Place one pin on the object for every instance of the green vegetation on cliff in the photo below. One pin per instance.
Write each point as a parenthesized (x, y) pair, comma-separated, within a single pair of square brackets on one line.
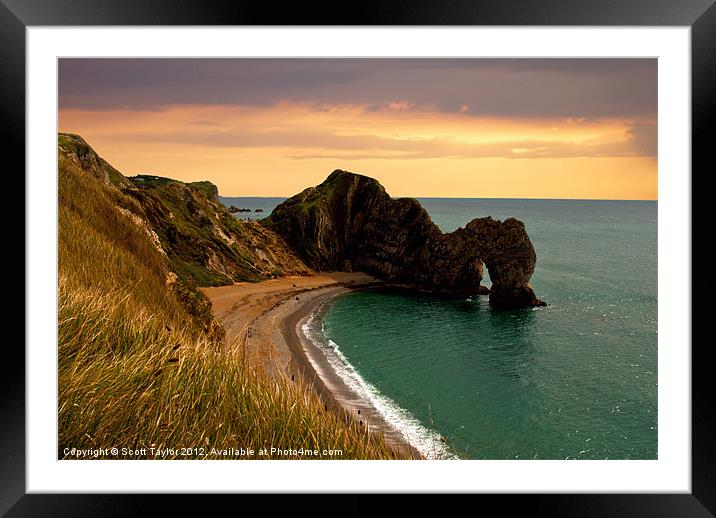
[(207, 188), (141, 362), (205, 244), (147, 181)]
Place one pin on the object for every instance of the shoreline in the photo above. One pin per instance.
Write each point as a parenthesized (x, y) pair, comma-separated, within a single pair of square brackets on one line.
[(265, 320), (317, 367)]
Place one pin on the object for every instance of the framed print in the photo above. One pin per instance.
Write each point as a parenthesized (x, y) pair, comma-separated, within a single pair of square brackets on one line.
[(451, 251)]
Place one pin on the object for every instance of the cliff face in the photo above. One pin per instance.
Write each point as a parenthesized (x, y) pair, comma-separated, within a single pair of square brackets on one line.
[(202, 243), (349, 222)]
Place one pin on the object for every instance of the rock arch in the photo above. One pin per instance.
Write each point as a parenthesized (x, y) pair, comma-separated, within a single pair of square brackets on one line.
[(506, 250)]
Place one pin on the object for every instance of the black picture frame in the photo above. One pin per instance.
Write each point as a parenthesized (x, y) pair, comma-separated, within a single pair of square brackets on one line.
[(699, 15)]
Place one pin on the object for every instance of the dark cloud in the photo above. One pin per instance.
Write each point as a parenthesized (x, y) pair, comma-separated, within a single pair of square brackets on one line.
[(588, 88)]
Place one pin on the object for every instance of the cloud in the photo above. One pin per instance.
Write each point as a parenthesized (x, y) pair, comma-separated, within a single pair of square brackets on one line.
[(391, 106), (636, 139), (207, 123), (536, 88)]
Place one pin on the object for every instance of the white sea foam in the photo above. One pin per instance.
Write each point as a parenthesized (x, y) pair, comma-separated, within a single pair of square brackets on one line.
[(426, 441)]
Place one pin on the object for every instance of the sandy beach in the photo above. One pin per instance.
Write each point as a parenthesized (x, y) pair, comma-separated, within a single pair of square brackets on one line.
[(265, 321)]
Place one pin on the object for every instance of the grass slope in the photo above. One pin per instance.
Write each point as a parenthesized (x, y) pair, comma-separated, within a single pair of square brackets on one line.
[(140, 361)]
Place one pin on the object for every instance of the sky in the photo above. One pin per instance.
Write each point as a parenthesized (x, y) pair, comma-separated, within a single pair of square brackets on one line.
[(468, 128)]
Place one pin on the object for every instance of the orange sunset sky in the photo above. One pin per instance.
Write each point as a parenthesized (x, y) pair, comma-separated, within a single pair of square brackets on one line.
[(483, 128)]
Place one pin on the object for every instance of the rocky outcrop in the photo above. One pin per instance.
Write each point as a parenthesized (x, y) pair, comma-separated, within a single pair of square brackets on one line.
[(74, 148), (349, 222)]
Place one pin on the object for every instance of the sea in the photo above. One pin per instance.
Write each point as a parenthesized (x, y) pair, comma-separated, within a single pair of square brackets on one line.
[(263, 205), (576, 379)]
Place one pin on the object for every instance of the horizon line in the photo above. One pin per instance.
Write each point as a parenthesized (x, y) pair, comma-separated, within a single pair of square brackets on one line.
[(472, 198)]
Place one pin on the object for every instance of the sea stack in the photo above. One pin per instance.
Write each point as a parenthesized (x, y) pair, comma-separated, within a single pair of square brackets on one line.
[(349, 222)]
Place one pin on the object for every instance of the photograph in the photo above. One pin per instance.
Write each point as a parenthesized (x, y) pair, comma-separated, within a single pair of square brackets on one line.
[(357, 258)]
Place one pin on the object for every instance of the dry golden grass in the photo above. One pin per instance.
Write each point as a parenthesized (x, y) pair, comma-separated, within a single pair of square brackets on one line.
[(137, 369)]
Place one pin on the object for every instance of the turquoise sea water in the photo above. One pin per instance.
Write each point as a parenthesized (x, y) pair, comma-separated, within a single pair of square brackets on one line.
[(574, 380)]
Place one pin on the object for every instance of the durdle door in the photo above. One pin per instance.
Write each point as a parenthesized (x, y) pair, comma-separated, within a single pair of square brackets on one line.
[(350, 222)]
